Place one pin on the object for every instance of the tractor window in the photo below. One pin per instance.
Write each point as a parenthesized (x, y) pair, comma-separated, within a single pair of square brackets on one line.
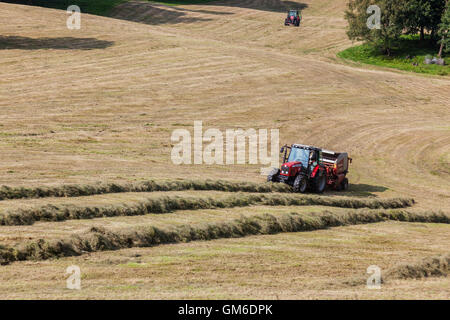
[(298, 154)]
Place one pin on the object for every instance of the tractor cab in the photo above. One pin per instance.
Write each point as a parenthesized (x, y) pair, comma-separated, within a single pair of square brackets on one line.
[(302, 168), (300, 158), (293, 13), (293, 18)]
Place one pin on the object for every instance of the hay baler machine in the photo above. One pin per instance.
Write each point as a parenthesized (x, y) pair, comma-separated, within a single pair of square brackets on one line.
[(311, 168), (336, 164)]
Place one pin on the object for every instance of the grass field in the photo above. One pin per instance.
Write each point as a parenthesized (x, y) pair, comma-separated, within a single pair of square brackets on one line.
[(408, 55), (86, 121)]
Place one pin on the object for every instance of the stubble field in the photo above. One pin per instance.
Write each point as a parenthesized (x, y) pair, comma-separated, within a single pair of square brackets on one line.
[(98, 105)]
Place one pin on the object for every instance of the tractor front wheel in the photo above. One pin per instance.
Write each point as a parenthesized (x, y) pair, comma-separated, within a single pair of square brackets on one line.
[(300, 184), (273, 175)]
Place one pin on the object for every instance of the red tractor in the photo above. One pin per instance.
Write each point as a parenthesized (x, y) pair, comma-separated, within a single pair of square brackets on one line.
[(310, 168), (293, 18)]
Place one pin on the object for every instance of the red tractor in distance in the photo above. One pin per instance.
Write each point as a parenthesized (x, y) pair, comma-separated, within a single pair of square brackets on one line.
[(310, 168), (293, 18)]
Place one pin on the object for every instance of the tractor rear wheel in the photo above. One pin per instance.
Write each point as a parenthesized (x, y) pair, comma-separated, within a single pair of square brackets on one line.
[(300, 184), (273, 175), (320, 182)]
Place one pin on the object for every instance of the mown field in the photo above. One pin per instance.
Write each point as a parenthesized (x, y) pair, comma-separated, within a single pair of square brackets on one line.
[(87, 178)]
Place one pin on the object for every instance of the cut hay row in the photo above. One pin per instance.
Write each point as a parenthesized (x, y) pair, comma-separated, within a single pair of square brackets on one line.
[(100, 239), (146, 186), (166, 204), (435, 266)]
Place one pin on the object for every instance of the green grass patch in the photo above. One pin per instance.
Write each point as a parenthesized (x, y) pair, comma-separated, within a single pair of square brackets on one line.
[(407, 46), (133, 265)]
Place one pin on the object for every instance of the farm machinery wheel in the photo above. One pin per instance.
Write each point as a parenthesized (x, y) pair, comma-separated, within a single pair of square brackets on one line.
[(300, 184), (344, 184), (320, 182)]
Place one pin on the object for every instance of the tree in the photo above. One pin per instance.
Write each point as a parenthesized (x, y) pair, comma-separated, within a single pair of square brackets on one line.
[(436, 16), (421, 15), (390, 27), (444, 31)]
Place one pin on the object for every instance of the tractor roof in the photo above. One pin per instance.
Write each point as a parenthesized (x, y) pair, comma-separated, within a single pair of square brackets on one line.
[(303, 146)]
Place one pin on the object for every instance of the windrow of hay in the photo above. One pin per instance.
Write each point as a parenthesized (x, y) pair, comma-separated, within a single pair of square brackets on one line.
[(435, 266), (100, 239), (146, 186), (166, 204)]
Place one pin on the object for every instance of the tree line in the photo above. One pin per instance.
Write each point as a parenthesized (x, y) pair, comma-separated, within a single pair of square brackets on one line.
[(399, 17)]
